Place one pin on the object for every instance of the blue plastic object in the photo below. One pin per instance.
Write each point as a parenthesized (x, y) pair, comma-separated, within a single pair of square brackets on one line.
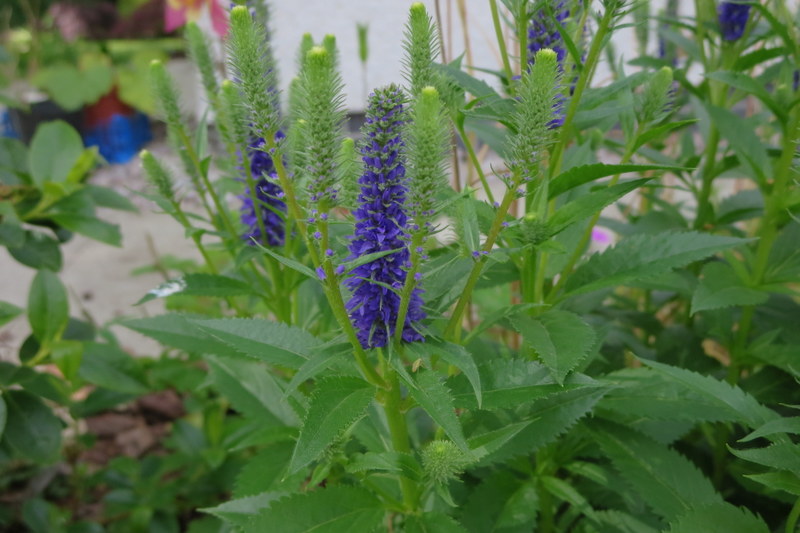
[(121, 137)]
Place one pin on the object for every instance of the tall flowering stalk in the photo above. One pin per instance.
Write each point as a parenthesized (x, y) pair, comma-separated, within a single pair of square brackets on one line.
[(732, 19), (381, 225)]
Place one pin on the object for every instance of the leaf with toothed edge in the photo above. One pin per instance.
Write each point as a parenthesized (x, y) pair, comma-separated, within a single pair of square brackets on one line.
[(337, 403), (543, 422), (719, 517), (266, 340), (666, 480), (338, 509), (434, 397)]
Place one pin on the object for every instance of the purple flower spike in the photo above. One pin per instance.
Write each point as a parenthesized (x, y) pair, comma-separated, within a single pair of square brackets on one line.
[(381, 225), (732, 19), (268, 194), (544, 32)]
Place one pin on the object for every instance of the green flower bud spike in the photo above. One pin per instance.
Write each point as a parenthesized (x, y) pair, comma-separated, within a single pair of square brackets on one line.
[(428, 148), (158, 175), (322, 108), (539, 97), (421, 49), (655, 102), (249, 58), (201, 56)]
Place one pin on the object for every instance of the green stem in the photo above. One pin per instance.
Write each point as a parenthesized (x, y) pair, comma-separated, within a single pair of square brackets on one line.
[(475, 162), (331, 285), (398, 429), (583, 81), (198, 168), (408, 286), (453, 329), (794, 514), (767, 233), (501, 41)]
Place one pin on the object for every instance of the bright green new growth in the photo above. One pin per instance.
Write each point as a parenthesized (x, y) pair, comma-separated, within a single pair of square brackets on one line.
[(329, 44), (363, 44), (428, 146), (306, 44), (534, 112), (166, 94), (656, 100), (322, 109), (443, 461), (157, 174), (421, 49), (167, 98), (252, 67), (199, 52), (232, 118)]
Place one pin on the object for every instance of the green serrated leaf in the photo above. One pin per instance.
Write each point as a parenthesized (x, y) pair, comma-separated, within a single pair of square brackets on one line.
[(778, 480), (720, 517), (780, 456), (269, 341), (433, 522), (337, 403), (266, 470), (399, 463), (743, 407), (743, 139), (199, 285), (543, 422), (643, 393), (560, 338), (456, 355), (291, 263), (434, 397), (580, 175), (645, 256), (668, 482), (338, 509), (659, 131), (177, 330), (780, 425), (251, 389), (749, 84), (589, 204), (720, 287), (241, 510), (508, 383)]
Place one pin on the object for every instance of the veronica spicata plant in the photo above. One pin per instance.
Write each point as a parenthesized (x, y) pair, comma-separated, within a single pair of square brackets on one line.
[(415, 356)]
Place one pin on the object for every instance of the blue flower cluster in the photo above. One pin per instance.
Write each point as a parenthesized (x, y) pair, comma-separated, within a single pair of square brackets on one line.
[(732, 19), (382, 225), (544, 32), (268, 195)]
